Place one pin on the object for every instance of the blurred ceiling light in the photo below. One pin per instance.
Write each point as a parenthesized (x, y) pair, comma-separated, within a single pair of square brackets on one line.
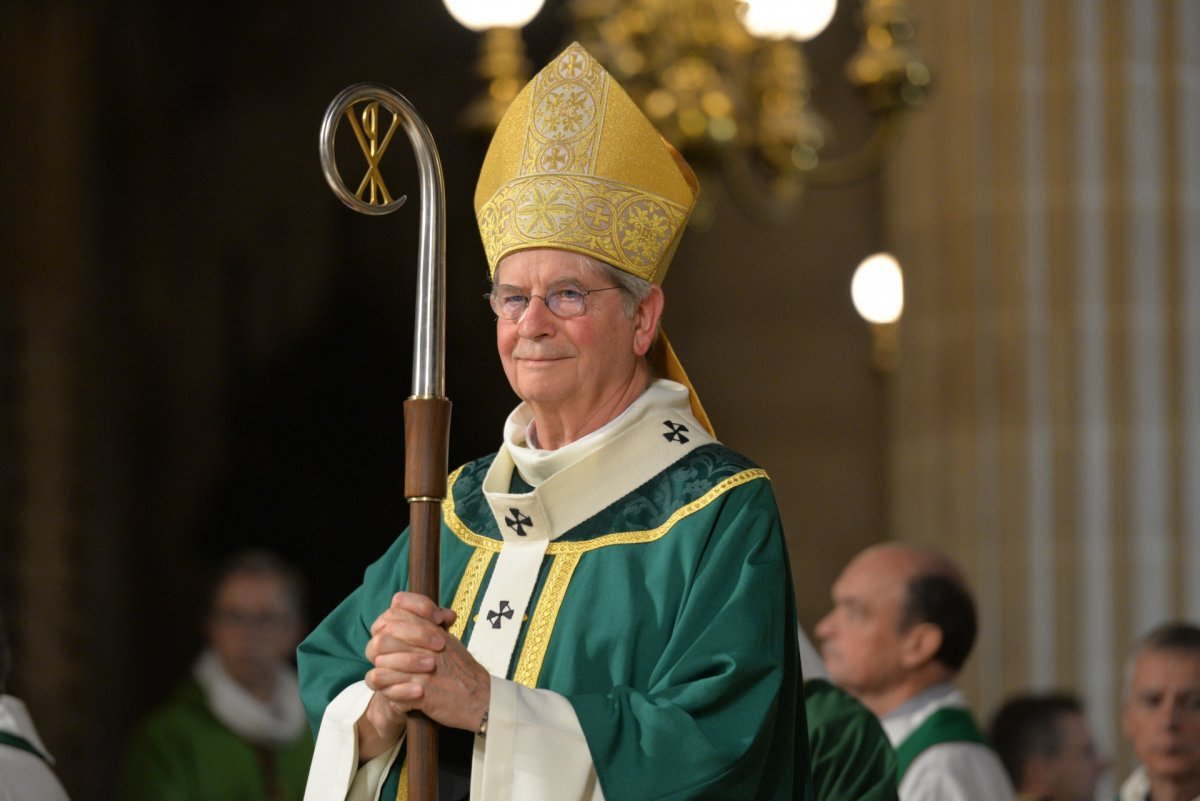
[(501, 61), (877, 290), (787, 19), (727, 82), (479, 15)]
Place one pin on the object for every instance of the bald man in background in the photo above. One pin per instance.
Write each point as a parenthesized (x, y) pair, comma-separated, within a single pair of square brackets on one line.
[(902, 625)]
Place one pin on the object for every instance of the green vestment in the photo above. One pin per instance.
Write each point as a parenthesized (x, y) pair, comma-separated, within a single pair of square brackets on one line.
[(852, 759), (183, 753), (947, 725), (666, 619)]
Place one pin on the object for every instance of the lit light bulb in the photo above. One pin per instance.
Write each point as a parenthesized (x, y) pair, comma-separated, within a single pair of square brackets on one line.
[(878, 289), (787, 19), (479, 15)]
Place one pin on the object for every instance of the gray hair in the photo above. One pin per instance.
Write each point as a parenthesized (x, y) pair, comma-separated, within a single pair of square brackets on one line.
[(1176, 637), (634, 289)]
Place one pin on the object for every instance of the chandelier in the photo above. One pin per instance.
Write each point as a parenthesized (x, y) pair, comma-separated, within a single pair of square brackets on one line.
[(725, 81)]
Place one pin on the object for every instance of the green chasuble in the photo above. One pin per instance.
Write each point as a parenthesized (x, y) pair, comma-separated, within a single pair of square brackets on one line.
[(183, 753), (852, 759), (947, 725), (666, 619)]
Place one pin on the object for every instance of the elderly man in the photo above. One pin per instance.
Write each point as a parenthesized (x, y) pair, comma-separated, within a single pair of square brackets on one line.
[(235, 728), (1047, 747), (1161, 718), (902, 625), (617, 617)]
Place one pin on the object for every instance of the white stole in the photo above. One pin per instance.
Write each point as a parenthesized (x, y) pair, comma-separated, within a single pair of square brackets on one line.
[(583, 478)]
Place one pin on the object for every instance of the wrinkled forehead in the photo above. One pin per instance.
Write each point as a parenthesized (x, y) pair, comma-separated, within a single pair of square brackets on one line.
[(546, 266), (1172, 669)]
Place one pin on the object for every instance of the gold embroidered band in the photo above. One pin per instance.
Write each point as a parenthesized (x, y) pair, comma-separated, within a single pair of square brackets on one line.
[(576, 166)]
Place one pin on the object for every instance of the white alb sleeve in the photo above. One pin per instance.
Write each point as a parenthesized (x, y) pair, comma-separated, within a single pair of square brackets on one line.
[(335, 772), (534, 749)]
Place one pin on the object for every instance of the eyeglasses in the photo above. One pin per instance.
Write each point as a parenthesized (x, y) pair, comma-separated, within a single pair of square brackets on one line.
[(253, 621), (510, 303)]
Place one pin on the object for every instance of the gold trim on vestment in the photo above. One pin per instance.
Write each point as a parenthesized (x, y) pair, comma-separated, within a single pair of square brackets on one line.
[(460, 529), (575, 165), (468, 589), (609, 221), (537, 636), (567, 556)]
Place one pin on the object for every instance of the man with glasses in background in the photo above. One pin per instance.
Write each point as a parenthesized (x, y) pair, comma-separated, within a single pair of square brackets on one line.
[(235, 728)]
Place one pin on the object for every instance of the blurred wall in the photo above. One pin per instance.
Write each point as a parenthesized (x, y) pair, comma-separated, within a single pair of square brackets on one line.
[(1045, 425)]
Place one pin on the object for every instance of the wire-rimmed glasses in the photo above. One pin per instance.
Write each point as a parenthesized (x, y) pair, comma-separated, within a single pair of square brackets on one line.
[(510, 302)]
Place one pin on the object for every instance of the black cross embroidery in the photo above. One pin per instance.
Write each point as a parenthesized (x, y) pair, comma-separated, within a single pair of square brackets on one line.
[(676, 432), (518, 521), (505, 611)]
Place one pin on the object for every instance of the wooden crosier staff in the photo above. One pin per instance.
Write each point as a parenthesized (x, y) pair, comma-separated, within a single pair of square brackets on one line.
[(427, 411)]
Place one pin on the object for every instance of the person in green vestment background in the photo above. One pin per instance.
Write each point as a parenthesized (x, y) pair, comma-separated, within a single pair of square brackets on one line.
[(851, 756), (902, 625), (235, 729), (617, 618)]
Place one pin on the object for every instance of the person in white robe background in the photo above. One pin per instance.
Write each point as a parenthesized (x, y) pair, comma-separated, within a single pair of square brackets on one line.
[(26, 772)]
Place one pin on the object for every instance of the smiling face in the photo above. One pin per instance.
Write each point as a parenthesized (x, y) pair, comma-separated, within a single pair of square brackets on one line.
[(1161, 717), (580, 372)]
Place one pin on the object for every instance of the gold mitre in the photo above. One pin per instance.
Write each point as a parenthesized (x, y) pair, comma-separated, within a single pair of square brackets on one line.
[(576, 166)]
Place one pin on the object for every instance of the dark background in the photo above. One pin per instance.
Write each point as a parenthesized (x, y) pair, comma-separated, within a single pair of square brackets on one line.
[(201, 349)]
